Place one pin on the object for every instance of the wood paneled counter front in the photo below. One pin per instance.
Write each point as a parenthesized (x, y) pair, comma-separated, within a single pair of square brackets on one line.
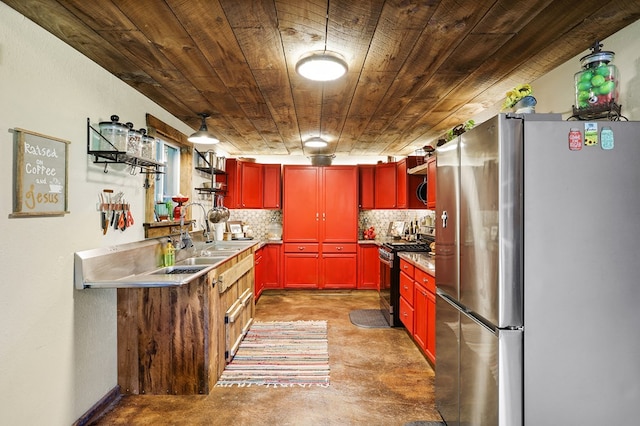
[(172, 340)]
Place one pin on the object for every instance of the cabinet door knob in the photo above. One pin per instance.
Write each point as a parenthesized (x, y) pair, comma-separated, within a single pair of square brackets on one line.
[(338, 248), (300, 248)]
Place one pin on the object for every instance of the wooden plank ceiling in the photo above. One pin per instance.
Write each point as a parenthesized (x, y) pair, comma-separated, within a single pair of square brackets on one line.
[(416, 68)]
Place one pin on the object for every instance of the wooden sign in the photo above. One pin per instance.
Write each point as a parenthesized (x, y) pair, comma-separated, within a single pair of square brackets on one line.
[(40, 174)]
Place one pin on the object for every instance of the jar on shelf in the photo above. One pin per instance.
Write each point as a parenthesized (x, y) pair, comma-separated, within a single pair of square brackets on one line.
[(597, 84), (147, 146), (134, 140), (115, 133)]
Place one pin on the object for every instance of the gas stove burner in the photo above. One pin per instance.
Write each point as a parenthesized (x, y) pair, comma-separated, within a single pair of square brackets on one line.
[(404, 246)]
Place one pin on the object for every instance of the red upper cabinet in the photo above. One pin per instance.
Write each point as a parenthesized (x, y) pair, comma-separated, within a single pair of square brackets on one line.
[(386, 186), (251, 185), (272, 198), (366, 186), (408, 185), (402, 199), (431, 183)]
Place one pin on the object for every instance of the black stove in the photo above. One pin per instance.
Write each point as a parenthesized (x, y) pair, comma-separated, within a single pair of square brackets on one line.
[(407, 246), (390, 275)]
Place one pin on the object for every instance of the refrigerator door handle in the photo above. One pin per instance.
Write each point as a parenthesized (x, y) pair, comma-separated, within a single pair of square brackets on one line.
[(444, 218)]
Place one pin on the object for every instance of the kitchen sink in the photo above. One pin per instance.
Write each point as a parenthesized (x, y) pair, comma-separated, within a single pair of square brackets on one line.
[(181, 269), (204, 260)]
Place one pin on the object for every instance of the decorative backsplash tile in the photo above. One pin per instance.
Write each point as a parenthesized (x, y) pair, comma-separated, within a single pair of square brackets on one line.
[(258, 220), (380, 219)]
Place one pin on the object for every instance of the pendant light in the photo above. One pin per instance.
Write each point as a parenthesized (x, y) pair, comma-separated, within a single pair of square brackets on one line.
[(203, 136)]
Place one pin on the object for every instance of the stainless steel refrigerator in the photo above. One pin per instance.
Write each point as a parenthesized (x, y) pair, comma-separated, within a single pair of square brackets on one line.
[(538, 274)]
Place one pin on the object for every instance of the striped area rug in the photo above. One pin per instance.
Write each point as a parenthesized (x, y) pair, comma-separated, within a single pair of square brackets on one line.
[(280, 354)]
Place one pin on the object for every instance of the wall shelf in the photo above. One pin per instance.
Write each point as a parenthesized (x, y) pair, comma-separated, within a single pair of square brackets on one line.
[(211, 170), (113, 156)]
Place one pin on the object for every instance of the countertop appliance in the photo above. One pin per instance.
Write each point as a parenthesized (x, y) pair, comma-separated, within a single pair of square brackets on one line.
[(537, 311), (390, 276)]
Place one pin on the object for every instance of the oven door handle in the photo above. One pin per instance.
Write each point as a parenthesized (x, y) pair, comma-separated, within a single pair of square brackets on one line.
[(386, 262)]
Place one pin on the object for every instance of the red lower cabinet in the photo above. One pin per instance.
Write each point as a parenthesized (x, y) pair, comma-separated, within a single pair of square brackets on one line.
[(271, 256), (431, 327), (301, 270), (418, 307), (420, 318), (339, 270), (406, 314), (368, 267)]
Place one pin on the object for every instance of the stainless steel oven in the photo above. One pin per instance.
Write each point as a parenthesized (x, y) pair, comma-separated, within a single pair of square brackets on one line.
[(390, 277)]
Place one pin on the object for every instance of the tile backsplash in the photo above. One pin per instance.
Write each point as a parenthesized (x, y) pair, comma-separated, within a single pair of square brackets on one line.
[(258, 220)]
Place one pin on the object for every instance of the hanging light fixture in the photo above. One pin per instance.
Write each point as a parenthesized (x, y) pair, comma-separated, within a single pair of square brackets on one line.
[(321, 66), (203, 136), (315, 142)]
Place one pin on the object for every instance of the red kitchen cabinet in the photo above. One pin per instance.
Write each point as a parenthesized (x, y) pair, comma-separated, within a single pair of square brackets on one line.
[(406, 315), (424, 306), (252, 185), (386, 177), (407, 197), (339, 270), (339, 208), (420, 316), (418, 303), (320, 209), (301, 204), (368, 267), (301, 266), (272, 198), (366, 186), (271, 259), (402, 199), (259, 269), (431, 327), (431, 183)]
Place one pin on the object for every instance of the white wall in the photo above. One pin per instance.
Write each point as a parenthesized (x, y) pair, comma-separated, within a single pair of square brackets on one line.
[(555, 91), (58, 345)]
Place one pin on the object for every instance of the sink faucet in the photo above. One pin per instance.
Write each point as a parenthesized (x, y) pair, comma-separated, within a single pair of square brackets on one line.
[(185, 238)]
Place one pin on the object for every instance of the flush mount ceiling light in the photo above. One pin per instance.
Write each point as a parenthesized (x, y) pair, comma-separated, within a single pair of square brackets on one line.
[(321, 66), (203, 136), (315, 142)]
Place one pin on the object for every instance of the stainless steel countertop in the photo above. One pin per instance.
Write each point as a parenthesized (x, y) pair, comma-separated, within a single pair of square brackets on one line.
[(135, 264)]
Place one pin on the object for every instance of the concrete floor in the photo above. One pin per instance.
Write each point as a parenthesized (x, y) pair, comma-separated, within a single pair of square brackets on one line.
[(378, 377)]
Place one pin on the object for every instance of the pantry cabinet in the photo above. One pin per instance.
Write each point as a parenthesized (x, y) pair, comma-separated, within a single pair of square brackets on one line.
[(320, 226)]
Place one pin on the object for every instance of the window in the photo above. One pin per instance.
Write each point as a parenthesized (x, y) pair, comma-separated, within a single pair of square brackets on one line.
[(167, 183)]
